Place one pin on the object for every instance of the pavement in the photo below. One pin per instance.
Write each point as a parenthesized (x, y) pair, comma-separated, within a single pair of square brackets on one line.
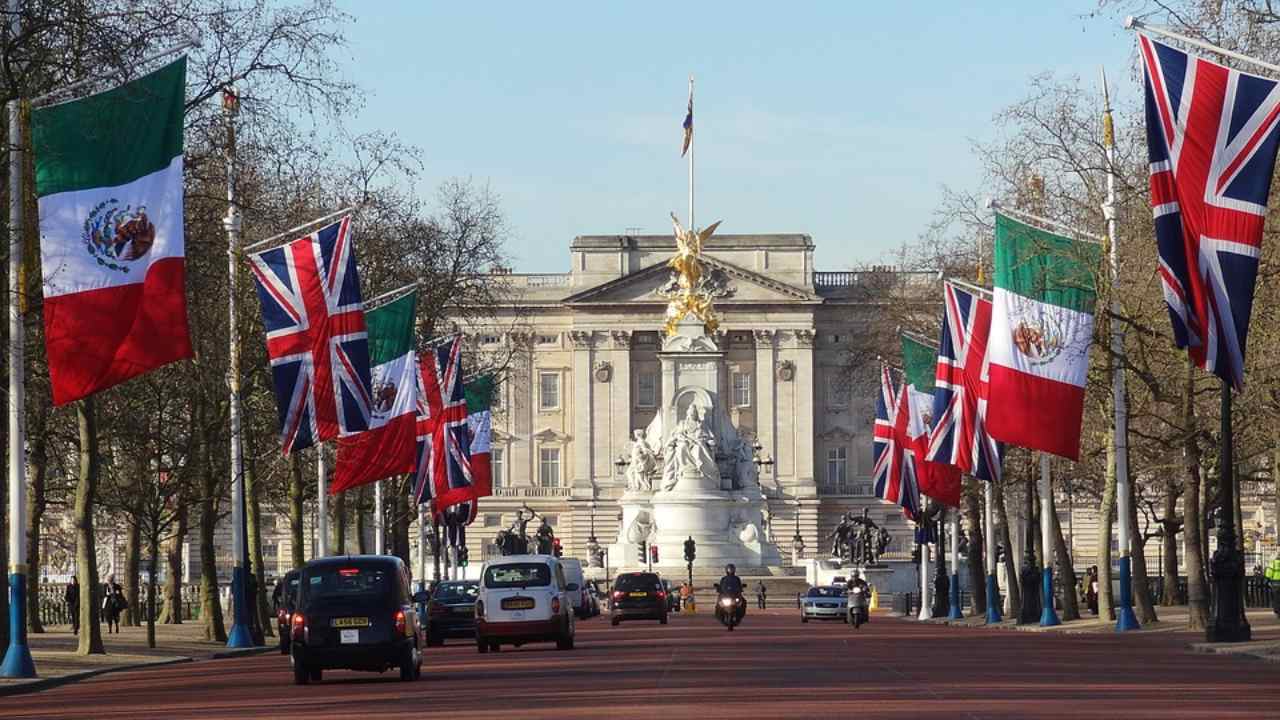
[(772, 666), (57, 662)]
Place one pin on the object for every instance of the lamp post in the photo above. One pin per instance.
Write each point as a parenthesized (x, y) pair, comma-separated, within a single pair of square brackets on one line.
[(797, 541)]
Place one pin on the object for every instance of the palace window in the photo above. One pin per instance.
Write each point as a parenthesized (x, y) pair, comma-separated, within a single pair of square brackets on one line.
[(837, 466), (646, 390), (549, 467), (549, 391), (492, 520), (547, 339), (741, 389), (490, 340), (498, 466)]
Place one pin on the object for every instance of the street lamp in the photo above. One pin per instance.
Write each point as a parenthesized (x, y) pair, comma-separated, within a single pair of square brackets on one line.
[(797, 542), (763, 462)]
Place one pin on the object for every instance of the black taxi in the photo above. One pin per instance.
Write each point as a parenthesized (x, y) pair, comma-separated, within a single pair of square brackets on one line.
[(355, 613)]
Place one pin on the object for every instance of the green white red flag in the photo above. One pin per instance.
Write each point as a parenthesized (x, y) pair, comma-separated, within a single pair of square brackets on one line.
[(387, 448), (108, 173), (939, 481), (479, 392), (1041, 330)]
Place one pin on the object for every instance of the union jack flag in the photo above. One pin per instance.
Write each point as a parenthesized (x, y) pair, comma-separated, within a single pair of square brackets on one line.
[(443, 474), (959, 435), (309, 290), (1211, 139), (894, 476)]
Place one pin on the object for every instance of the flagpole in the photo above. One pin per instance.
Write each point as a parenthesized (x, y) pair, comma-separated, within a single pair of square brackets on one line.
[(53, 97), (322, 503), (926, 611), (993, 588), (299, 228), (1125, 619), (239, 637), (1132, 23), (692, 226), (1048, 616), (379, 543), (1030, 218), (954, 595), (17, 659)]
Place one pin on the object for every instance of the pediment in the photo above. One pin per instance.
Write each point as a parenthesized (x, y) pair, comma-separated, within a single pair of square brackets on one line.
[(836, 433), (732, 285), (550, 435)]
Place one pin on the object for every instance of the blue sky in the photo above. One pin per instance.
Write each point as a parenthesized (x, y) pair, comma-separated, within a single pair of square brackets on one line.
[(842, 119)]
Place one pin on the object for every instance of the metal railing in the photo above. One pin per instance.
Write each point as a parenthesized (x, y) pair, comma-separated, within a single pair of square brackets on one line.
[(532, 492), (55, 611), (851, 488)]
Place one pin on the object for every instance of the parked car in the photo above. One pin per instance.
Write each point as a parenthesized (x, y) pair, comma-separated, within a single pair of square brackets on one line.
[(580, 599), (355, 613), (824, 602), (524, 599), (451, 612), (638, 596), (284, 598)]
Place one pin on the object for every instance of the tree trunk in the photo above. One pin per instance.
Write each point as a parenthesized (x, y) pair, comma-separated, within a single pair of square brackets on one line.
[(132, 565), (1169, 544), (362, 502), (977, 546), (211, 603), (153, 566), (1193, 529), (339, 521), (1142, 601), (297, 518), (1065, 570), (86, 552), (400, 526), (173, 583), (254, 520), (1012, 590), (1106, 518), (36, 504)]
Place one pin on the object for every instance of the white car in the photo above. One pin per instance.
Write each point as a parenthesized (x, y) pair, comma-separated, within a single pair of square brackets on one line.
[(524, 599), (582, 598), (825, 602)]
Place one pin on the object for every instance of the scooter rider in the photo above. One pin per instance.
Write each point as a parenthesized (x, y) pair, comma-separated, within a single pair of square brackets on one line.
[(731, 585), (858, 601)]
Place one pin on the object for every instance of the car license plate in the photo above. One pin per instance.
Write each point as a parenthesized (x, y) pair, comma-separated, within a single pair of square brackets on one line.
[(464, 611), (519, 603), (639, 594), (349, 637), (349, 622)]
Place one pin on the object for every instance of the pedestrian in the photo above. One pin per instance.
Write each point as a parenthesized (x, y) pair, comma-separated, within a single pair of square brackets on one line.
[(1091, 589), (761, 593), (72, 597), (113, 603), (1273, 579)]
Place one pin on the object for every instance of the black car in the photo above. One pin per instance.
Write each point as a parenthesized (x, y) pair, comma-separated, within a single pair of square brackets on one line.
[(284, 597), (451, 612), (355, 613), (639, 596)]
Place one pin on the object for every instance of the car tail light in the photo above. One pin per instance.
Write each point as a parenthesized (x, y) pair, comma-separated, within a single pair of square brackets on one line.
[(617, 594), (555, 606), (662, 594), (401, 625), (299, 625)]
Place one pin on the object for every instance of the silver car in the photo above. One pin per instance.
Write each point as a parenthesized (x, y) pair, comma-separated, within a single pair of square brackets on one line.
[(824, 602)]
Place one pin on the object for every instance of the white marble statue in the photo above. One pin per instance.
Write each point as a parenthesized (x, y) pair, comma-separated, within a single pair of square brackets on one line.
[(640, 528), (643, 465), (748, 475), (690, 451)]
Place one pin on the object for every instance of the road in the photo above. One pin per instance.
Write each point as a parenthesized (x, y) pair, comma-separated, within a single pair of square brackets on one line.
[(772, 666)]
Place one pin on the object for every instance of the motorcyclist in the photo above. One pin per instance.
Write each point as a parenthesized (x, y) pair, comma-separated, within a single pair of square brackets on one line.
[(863, 598), (731, 586)]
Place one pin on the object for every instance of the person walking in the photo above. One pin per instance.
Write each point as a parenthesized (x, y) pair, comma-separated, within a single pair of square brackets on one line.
[(1091, 589), (761, 593), (72, 597), (1273, 579), (113, 603)]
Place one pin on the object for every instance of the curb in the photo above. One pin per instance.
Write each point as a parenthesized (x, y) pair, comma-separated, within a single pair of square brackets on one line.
[(1228, 651), (241, 652), (47, 683)]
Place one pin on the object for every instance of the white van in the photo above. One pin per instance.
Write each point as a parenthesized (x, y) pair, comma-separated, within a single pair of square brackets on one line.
[(524, 599), (574, 576)]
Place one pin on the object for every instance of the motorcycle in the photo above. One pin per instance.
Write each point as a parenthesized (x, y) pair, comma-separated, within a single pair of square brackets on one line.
[(730, 609), (858, 602)]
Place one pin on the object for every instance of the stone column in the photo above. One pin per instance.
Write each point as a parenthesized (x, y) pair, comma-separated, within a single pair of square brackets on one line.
[(766, 394), (581, 404), (619, 405)]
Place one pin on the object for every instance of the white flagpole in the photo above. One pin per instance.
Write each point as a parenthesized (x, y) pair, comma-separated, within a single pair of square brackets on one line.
[(379, 535), (322, 504), (1132, 23), (1048, 616), (692, 141), (17, 659), (239, 637), (993, 588), (926, 609), (1125, 619), (954, 561)]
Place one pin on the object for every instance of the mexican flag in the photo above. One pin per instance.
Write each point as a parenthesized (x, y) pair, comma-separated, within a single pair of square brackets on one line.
[(388, 447), (939, 481), (479, 394), (109, 180), (1041, 329)]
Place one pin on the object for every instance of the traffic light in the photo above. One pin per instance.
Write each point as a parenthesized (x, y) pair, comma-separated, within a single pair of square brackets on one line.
[(641, 552), (653, 553), (690, 550), (462, 556), (555, 548)]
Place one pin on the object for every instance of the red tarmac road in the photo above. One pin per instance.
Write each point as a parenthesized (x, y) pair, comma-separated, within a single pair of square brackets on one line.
[(772, 666)]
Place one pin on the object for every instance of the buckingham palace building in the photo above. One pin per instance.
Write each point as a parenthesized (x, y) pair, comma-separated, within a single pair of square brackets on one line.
[(582, 372)]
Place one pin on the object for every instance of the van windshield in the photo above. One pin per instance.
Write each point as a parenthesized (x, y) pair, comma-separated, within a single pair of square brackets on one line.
[(517, 575)]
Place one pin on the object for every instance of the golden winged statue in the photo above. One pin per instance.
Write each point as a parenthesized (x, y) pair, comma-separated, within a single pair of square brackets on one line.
[(690, 298)]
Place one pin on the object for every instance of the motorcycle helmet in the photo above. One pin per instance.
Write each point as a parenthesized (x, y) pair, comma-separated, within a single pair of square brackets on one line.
[(730, 569)]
